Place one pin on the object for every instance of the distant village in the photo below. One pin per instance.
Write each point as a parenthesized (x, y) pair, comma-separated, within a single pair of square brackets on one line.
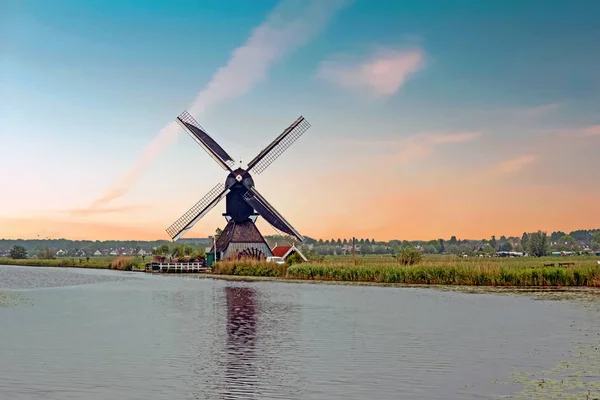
[(556, 243)]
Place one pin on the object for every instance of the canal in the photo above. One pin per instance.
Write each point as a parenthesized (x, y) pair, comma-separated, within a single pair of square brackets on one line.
[(97, 334)]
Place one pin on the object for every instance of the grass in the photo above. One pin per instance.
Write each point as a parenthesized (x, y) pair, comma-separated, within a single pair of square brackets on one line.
[(432, 270), (117, 263)]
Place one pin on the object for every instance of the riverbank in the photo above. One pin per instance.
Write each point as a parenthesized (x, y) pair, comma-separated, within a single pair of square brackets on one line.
[(581, 272), (546, 272), (114, 263)]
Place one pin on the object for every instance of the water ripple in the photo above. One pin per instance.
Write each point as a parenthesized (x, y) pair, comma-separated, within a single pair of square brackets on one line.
[(99, 335)]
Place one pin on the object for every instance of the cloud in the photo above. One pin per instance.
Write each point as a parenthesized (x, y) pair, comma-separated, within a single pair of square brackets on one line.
[(516, 164), (103, 210), (287, 28), (586, 132), (420, 146), (539, 111), (382, 74)]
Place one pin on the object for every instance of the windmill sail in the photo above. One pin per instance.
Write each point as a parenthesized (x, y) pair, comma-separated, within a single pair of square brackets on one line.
[(199, 210), (279, 145), (191, 126), (269, 213)]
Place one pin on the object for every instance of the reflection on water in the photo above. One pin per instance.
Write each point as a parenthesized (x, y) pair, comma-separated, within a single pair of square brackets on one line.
[(241, 374), (103, 334)]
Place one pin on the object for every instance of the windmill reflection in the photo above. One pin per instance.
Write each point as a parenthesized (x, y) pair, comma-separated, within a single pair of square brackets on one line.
[(240, 368)]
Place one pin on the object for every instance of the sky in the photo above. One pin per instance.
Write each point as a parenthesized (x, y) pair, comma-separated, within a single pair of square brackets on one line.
[(429, 118)]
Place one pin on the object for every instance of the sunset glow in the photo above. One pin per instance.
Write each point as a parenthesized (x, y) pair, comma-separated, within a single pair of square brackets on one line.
[(426, 123)]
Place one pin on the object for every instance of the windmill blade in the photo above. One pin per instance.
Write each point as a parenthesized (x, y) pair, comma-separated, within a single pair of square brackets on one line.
[(198, 211), (279, 145), (269, 213), (191, 126)]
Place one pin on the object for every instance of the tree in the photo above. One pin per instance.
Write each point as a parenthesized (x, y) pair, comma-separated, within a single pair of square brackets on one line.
[(555, 236), (567, 242), (519, 248), (506, 246), (46, 254), (161, 250), (525, 241), (596, 240), (488, 249), (442, 247), (339, 242), (18, 252), (493, 242), (538, 244), (218, 233), (429, 249), (453, 241), (345, 242), (453, 249)]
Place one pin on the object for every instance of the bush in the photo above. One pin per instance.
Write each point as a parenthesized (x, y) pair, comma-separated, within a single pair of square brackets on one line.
[(294, 259), (409, 256), (121, 263)]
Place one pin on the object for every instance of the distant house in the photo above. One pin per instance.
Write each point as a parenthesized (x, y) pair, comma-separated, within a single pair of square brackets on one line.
[(348, 249), (142, 252), (286, 251), (97, 253), (60, 253), (114, 253)]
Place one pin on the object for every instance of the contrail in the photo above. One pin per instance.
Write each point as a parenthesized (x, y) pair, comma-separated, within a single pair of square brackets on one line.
[(287, 28)]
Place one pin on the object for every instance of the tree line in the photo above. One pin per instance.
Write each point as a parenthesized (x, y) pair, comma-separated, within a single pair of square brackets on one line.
[(534, 243)]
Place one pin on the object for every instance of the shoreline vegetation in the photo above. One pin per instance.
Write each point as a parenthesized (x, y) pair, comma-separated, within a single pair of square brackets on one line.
[(114, 263), (534, 272)]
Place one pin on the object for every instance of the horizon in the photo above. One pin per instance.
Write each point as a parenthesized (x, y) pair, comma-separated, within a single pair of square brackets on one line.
[(428, 120), (184, 239)]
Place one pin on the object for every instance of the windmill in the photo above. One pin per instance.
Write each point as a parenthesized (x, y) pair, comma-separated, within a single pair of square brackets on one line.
[(241, 237)]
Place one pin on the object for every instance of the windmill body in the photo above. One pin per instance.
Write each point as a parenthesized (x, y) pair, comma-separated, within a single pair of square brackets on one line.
[(243, 203)]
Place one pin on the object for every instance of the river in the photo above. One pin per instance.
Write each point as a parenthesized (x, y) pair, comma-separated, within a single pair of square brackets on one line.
[(97, 334)]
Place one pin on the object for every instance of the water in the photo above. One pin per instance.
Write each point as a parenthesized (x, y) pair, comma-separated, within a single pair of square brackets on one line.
[(84, 334)]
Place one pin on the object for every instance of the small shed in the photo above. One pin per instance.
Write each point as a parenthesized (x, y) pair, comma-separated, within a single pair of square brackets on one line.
[(286, 251)]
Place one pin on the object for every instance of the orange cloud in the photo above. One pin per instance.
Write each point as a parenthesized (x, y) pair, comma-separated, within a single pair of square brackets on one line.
[(103, 210), (589, 131), (422, 145), (516, 164), (383, 73), (507, 166), (415, 147)]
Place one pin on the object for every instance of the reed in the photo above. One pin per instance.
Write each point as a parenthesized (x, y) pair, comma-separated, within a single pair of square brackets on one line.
[(249, 267), (118, 263), (476, 275), (431, 270), (99, 262)]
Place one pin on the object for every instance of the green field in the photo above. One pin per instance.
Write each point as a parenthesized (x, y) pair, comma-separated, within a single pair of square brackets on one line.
[(433, 270)]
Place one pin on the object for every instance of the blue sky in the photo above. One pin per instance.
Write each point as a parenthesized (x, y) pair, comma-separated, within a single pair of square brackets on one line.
[(86, 85)]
